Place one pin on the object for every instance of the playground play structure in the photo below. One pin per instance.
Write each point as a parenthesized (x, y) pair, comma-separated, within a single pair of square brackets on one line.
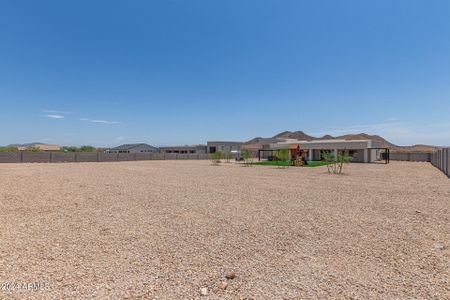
[(297, 156)]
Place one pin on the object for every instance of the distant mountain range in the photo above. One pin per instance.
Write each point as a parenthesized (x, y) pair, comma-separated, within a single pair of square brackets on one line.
[(300, 135)]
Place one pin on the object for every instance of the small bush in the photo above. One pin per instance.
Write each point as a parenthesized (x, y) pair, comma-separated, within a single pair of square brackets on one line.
[(335, 164), (228, 156), (216, 157), (248, 158)]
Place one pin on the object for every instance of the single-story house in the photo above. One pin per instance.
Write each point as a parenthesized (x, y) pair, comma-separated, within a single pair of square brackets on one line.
[(134, 148), (361, 150)]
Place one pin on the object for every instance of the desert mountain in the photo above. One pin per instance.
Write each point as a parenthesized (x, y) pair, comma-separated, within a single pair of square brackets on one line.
[(300, 135)]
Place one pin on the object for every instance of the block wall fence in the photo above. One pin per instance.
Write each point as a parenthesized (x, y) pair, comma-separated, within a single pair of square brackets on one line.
[(441, 160), (411, 156), (60, 157)]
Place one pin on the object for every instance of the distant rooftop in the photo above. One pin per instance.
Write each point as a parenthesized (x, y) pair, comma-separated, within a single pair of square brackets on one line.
[(226, 142), (129, 146)]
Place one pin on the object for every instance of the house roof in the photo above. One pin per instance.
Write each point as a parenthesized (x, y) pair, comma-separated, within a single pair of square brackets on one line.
[(224, 142), (187, 147), (130, 146)]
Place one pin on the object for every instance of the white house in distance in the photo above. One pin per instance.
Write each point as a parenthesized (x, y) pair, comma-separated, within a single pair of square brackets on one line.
[(361, 150)]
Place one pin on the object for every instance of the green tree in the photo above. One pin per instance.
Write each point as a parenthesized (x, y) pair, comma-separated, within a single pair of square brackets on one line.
[(87, 148), (284, 156), (9, 149), (33, 149)]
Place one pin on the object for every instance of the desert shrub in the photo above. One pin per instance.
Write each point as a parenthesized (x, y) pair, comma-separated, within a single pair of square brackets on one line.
[(248, 158), (343, 158), (335, 164), (228, 156), (216, 157)]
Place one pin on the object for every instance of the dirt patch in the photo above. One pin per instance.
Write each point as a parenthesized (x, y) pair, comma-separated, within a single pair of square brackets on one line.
[(170, 229)]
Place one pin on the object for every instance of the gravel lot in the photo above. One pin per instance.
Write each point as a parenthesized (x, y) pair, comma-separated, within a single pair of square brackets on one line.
[(167, 229)]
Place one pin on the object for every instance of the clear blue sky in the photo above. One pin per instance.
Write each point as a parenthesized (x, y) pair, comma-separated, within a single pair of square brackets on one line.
[(184, 72)]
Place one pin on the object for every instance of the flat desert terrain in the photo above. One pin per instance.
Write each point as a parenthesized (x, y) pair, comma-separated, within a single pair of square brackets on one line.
[(177, 229)]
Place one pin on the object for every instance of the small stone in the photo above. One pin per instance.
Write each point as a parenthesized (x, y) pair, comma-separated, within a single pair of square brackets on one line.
[(216, 290), (439, 246), (204, 291), (230, 275), (224, 285)]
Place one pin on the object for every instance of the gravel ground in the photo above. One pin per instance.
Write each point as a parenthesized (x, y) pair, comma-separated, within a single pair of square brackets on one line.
[(175, 229)]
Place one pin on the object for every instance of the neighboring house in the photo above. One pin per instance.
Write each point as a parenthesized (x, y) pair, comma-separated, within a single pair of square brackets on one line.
[(361, 150), (224, 146), (134, 148), (199, 149), (42, 147)]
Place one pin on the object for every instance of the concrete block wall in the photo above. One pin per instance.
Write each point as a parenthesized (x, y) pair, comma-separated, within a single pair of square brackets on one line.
[(126, 156), (420, 157), (60, 157), (10, 157), (87, 157), (157, 156), (204, 156), (170, 156), (399, 156), (410, 156), (143, 156), (36, 157), (108, 157), (441, 160), (448, 162)]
